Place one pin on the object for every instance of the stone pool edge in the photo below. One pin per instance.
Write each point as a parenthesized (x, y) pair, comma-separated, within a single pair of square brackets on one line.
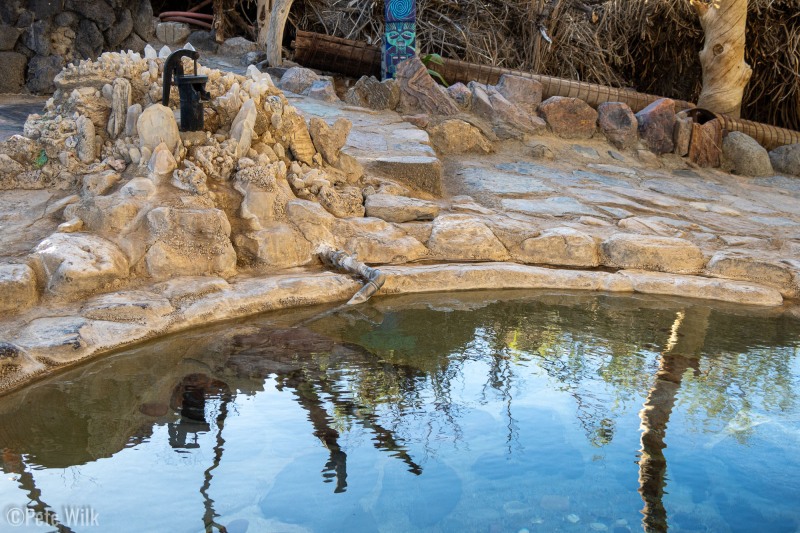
[(46, 340)]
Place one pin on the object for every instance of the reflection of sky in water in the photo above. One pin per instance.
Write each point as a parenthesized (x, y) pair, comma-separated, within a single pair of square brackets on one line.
[(524, 414)]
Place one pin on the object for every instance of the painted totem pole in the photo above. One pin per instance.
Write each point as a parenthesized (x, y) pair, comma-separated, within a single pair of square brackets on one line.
[(400, 38)]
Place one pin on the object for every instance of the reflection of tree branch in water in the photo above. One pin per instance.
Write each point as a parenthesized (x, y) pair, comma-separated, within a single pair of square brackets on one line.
[(27, 483), (681, 353), (309, 399)]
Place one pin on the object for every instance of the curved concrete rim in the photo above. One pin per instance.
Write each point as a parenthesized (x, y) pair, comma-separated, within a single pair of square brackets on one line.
[(90, 337)]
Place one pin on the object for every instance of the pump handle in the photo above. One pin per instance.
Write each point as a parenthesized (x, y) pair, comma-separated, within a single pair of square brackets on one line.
[(174, 64)]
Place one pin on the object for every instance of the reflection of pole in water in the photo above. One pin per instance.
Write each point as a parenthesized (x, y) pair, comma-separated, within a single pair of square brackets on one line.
[(14, 463), (681, 353), (210, 515)]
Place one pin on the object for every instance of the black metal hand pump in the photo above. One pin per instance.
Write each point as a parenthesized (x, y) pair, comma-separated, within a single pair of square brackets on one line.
[(191, 89)]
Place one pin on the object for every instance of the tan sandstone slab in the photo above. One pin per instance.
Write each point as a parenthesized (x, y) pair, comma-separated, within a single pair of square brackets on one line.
[(699, 287), (662, 254)]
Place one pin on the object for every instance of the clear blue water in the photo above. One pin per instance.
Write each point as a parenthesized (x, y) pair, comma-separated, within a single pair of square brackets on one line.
[(486, 412)]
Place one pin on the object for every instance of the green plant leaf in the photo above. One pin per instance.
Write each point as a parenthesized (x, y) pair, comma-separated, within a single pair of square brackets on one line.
[(439, 77)]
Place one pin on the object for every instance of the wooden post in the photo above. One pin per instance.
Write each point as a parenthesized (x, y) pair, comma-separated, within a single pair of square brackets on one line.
[(277, 22), (725, 73), (400, 38), (263, 11)]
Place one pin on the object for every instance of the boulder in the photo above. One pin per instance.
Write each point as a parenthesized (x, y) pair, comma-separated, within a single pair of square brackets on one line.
[(203, 40), (507, 113), (127, 306), (120, 30), (17, 288), (237, 47), (618, 124), (656, 125), (561, 247), (323, 90), (525, 93), (89, 40), (785, 159), (454, 136), (461, 94), (189, 242), (644, 252), (749, 267), (329, 140), (74, 265), (570, 118), (747, 157), (41, 72), (142, 12), (419, 93), (97, 11), (171, 33), (399, 208), (278, 245), (464, 238), (157, 125), (8, 37), (13, 67), (37, 37), (298, 80), (374, 94)]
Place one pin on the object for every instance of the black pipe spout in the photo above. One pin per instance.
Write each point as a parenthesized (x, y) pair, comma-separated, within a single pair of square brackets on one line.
[(191, 89)]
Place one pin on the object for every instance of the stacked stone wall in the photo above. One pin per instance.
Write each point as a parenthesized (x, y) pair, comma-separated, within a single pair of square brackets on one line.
[(39, 37)]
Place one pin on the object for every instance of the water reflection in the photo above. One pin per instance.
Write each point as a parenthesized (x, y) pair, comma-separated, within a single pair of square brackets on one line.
[(413, 376)]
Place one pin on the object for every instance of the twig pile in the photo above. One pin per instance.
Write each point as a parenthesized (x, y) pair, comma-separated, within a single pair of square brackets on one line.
[(649, 45)]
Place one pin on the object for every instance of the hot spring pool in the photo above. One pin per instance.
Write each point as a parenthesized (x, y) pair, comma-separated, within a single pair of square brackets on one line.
[(486, 412)]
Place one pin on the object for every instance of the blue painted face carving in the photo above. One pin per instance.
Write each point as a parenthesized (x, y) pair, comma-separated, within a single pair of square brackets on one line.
[(400, 44)]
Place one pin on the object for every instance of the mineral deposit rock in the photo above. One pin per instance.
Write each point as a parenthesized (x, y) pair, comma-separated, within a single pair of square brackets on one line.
[(157, 125), (242, 127), (85, 140), (120, 102), (278, 245), (643, 252), (74, 265), (188, 242)]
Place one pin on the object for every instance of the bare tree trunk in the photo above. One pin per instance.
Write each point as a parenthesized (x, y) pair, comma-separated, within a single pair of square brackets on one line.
[(725, 73), (262, 21), (277, 22)]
